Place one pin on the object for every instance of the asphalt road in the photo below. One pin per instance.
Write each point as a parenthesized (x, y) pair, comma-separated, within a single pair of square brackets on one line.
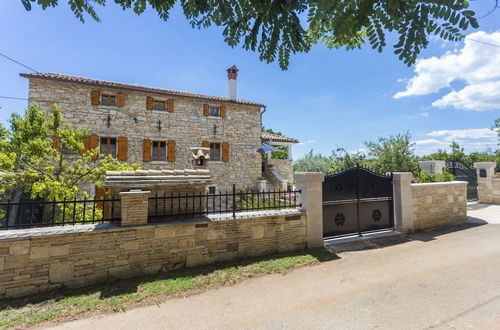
[(443, 279)]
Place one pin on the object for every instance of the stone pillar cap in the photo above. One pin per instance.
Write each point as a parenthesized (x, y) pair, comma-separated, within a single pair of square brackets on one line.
[(309, 176)]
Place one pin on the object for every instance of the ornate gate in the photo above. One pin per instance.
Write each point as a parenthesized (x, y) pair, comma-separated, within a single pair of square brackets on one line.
[(463, 173), (356, 201)]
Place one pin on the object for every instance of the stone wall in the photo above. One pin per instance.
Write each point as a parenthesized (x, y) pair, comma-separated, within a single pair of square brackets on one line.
[(186, 125), (438, 204), (284, 167), (38, 260)]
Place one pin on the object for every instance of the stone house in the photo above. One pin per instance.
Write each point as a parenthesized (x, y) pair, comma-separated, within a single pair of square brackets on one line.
[(156, 127)]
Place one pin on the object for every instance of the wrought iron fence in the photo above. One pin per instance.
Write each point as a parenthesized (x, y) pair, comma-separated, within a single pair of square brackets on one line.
[(170, 206), (43, 213)]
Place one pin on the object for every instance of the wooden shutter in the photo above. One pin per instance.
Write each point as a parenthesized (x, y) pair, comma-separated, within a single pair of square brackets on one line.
[(205, 144), (149, 103), (122, 148), (86, 145), (94, 143), (171, 151), (120, 100), (225, 151), (223, 111), (102, 193), (56, 143), (95, 97), (205, 110), (147, 150), (170, 105)]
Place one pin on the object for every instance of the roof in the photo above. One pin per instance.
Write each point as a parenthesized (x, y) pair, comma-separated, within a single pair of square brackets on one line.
[(130, 87), (266, 136)]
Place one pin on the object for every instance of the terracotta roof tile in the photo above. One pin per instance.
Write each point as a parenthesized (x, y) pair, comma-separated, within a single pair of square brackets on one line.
[(266, 136), (130, 87)]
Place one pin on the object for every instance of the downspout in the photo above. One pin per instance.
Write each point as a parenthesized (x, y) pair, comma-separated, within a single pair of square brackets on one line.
[(261, 113)]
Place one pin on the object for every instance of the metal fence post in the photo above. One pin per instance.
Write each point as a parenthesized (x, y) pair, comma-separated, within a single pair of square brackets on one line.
[(234, 201)]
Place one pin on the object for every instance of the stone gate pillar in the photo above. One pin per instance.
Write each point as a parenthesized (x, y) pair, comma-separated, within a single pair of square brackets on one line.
[(488, 187), (403, 203), (134, 207), (311, 199)]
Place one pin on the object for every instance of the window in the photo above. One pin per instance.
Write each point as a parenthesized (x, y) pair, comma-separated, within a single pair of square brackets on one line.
[(159, 151), (107, 146), (159, 105), (212, 190), (107, 99), (215, 151), (214, 111)]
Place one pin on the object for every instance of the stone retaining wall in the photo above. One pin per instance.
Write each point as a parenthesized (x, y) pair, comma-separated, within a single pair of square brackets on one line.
[(38, 260), (438, 204), (284, 167)]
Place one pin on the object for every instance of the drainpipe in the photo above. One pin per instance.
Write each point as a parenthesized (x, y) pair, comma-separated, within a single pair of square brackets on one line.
[(261, 113)]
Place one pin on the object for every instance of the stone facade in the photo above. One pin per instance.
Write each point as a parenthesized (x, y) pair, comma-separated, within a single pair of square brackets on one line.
[(38, 260), (438, 204), (488, 183), (284, 167), (186, 125)]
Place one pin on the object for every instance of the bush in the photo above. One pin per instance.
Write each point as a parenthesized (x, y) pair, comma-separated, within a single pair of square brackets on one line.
[(439, 177)]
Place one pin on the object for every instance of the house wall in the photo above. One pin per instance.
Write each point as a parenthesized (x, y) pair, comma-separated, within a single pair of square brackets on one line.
[(438, 204), (37, 260), (186, 125), (284, 167)]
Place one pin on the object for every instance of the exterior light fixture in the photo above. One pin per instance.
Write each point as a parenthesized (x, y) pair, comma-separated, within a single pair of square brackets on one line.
[(109, 120), (159, 125)]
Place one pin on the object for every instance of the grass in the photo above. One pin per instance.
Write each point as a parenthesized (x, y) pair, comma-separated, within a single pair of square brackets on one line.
[(124, 294)]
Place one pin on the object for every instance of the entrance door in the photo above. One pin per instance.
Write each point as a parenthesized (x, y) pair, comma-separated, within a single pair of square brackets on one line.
[(357, 201)]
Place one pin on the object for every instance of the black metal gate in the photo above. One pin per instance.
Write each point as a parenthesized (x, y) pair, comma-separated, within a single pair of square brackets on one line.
[(357, 201), (463, 173)]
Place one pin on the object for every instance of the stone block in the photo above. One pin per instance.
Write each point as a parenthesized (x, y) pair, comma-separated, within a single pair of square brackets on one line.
[(269, 231), (185, 230), (120, 272), (16, 261), (20, 291), (39, 252), (61, 271), (59, 250), (2, 263), (257, 232), (19, 248), (165, 232), (130, 246)]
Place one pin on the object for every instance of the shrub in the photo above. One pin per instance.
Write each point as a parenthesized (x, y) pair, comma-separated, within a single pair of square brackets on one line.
[(438, 177)]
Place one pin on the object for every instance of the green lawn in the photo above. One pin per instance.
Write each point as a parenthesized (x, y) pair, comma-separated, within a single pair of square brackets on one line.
[(120, 295)]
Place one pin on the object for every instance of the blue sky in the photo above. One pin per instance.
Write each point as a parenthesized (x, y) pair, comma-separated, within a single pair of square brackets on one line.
[(326, 99)]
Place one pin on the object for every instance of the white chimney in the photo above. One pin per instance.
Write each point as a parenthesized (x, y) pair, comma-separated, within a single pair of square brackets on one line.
[(232, 74)]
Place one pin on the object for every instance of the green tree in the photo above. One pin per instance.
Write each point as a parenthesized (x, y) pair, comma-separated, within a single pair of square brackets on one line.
[(41, 156), (312, 162), (393, 154), (278, 28)]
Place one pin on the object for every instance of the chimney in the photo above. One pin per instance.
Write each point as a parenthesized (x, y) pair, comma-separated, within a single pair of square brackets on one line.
[(232, 74)]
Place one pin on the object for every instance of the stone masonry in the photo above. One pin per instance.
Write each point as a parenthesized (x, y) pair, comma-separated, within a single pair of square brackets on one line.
[(488, 183), (438, 204), (186, 125), (38, 260)]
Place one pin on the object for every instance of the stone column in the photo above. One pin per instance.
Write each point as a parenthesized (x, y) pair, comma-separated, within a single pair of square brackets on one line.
[(134, 207), (485, 188), (432, 166), (311, 199), (403, 203)]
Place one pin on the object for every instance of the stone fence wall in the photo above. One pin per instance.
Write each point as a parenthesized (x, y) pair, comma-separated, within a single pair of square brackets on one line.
[(438, 204), (37, 260)]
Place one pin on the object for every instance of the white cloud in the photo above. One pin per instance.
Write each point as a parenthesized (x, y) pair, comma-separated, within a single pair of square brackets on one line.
[(307, 142), (476, 64), (420, 115), (474, 139)]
